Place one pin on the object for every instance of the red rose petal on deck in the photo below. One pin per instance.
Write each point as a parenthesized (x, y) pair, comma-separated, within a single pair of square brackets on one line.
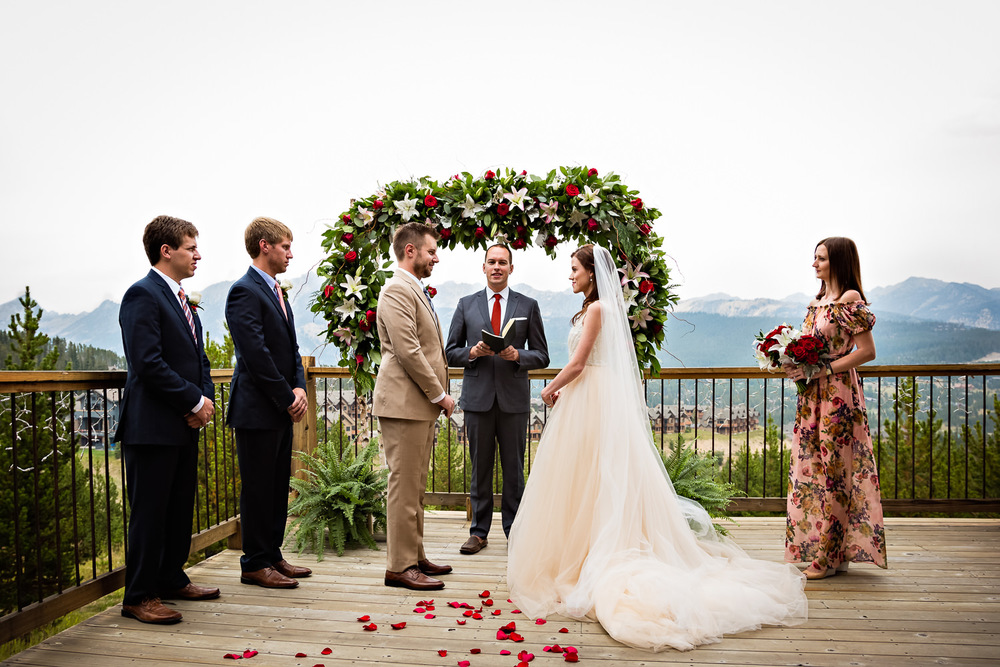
[(418, 610), (399, 626), (249, 653), (233, 656), (429, 607), (571, 657), (455, 605), (539, 621), (571, 649), (429, 616), (474, 651), (514, 637), (504, 652), (509, 627), (477, 616), (510, 601), (328, 650), (371, 627), (460, 621), (563, 629), (464, 663), (424, 603), (365, 618), (443, 653), (496, 612), (501, 635), (525, 656), (515, 611), (300, 654), (484, 594), (467, 613), (488, 603)]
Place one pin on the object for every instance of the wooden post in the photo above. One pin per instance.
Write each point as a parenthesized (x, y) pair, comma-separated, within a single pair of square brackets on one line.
[(304, 433)]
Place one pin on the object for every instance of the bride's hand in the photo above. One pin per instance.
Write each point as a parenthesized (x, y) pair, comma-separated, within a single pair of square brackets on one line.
[(549, 398)]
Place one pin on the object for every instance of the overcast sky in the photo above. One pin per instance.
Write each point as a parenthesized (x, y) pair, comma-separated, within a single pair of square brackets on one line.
[(757, 128)]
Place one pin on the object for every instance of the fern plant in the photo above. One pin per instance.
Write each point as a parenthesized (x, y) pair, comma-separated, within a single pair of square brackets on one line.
[(696, 476), (339, 494)]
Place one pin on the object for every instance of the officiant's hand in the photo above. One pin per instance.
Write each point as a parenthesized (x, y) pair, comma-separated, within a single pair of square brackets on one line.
[(480, 349), (510, 353)]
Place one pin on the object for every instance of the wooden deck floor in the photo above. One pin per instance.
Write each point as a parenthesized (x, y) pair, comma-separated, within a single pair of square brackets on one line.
[(939, 603)]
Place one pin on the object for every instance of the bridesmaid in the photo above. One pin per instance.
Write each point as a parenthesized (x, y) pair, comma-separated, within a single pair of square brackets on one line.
[(834, 501)]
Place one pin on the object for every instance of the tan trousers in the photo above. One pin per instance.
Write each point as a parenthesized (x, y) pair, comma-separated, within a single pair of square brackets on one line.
[(408, 444)]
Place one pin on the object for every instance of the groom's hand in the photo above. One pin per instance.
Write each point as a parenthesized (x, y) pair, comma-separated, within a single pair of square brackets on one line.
[(447, 404)]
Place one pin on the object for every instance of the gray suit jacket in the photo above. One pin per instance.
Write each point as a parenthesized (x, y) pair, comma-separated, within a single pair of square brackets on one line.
[(489, 378)]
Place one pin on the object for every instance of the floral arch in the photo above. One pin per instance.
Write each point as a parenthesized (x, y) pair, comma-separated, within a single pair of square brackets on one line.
[(571, 204)]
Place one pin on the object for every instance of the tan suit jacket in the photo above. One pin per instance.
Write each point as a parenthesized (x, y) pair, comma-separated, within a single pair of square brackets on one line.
[(414, 368)]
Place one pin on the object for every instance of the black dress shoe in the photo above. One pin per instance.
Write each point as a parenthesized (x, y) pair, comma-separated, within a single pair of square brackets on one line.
[(474, 545), (432, 570), (413, 579)]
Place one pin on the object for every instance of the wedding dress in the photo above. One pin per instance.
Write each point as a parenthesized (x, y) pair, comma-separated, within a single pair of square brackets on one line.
[(601, 534)]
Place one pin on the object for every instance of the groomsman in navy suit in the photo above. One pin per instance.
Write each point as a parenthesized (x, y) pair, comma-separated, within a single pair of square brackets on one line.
[(268, 394), (495, 389), (165, 402)]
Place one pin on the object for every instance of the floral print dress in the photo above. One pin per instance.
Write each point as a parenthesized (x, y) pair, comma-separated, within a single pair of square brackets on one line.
[(834, 500)]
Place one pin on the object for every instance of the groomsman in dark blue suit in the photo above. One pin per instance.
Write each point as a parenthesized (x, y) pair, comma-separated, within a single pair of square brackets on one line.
[(165, 402), (268, 394)]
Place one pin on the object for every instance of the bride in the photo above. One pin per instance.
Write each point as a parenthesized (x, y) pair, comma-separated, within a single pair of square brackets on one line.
[(601, 534)]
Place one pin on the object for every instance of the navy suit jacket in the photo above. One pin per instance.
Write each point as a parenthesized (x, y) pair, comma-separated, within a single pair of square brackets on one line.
[(168, 371), (268, 365), (489, 378)]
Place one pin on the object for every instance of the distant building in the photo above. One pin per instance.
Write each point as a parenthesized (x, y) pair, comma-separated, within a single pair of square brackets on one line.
[(95, 418)]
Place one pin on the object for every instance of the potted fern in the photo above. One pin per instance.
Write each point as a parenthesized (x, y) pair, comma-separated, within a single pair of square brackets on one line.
[(695, 476), (341, 499)]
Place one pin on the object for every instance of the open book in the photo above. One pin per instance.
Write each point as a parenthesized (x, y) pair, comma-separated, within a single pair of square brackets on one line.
[(499, 343)]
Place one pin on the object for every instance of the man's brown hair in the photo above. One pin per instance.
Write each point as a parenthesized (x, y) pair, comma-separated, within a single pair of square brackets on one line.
[(411, 232), (165, 229), (266, 229)]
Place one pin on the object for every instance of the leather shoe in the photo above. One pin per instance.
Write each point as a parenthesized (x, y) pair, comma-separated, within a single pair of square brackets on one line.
[(151, 610), (474, 545), (431, 569), (413, 579), (191, 592), (268, 577), (289, 570)]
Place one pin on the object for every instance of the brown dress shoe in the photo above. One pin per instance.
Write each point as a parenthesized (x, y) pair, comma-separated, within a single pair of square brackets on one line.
[(289, 570), (413, 579), (268, 577), (191, 592), (151, 610), (433, 570), (474, 545)]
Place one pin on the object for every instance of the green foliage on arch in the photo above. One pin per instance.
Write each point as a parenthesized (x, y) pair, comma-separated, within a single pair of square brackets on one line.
[(573, 205)]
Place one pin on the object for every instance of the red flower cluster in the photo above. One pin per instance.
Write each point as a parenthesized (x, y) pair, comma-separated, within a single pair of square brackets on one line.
[(806, 350), (503, 208), (636, 203), (592, 225), (346, 217), (645, 229), (378, 204), (646, 286), (552, 241), (432, 291), (446, 233), (430, 201), (572, 190), (518, 244), (351, 256), (328, 291), (480, 232), (489, 175), (591, 172), (347, 238)]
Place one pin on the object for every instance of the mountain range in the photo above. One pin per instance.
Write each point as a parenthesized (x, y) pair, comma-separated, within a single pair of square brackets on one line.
[(919, 321)]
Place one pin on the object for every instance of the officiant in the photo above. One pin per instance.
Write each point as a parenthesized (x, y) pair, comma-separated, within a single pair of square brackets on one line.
[(495, 390)]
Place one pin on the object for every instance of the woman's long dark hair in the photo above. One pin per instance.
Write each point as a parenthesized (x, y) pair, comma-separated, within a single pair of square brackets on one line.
[(585, 255), (845, 266)]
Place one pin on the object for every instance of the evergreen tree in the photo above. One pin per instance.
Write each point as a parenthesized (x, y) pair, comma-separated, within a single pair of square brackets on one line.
[(29, 344)]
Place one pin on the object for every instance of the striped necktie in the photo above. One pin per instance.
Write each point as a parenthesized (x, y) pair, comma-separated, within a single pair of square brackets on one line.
[(187, 313)]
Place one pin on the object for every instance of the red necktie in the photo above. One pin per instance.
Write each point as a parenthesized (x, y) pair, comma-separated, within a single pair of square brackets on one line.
[(187, 313), (495, 319)]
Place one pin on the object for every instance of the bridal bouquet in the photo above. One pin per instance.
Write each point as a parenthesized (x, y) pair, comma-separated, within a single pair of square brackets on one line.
[(785, 345)]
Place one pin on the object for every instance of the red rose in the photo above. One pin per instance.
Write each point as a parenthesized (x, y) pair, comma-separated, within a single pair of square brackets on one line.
[(347, 238), (378, 204), (519, 230), (490, 175), (644, 229), (432, 291), (552, 241), (592, 225), (517, 244), (445, 233), (503, 208), (591, 172), (656, 327), (646, 286), (777, 331), (351, 256), (767, 345), (636, 204), (360, 358), (480, 232), (328, 291), (430, 201), (524, 172), (346, 217), (572, 190), (370, 315), (456, 177), (364, 324)]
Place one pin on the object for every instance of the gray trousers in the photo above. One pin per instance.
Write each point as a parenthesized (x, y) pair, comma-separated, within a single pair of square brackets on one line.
[(487, 430)]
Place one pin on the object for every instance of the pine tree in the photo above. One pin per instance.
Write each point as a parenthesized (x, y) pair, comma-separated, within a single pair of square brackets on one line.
[(27, 342)]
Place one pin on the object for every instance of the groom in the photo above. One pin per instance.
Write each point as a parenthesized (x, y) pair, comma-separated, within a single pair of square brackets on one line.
[(495, 390)]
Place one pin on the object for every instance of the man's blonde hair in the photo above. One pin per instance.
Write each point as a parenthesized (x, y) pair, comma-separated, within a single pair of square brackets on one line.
[(267, 229)]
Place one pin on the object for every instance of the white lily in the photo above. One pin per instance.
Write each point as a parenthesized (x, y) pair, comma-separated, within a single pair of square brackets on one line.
[(471, 207), (348, 309), (353, 286), (367, 216), (639, 319), (632, 274), (589, 197), (549, 211), (517, 197), (629, 295), (407, 208), (345, 335), (577, 217)]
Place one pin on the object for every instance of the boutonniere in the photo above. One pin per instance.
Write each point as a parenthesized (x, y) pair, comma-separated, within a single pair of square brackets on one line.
[(194, 300), (286, 287), (431, 291)]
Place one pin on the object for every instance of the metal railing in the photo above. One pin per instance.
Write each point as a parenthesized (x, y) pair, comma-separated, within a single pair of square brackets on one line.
[(63, 518)]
